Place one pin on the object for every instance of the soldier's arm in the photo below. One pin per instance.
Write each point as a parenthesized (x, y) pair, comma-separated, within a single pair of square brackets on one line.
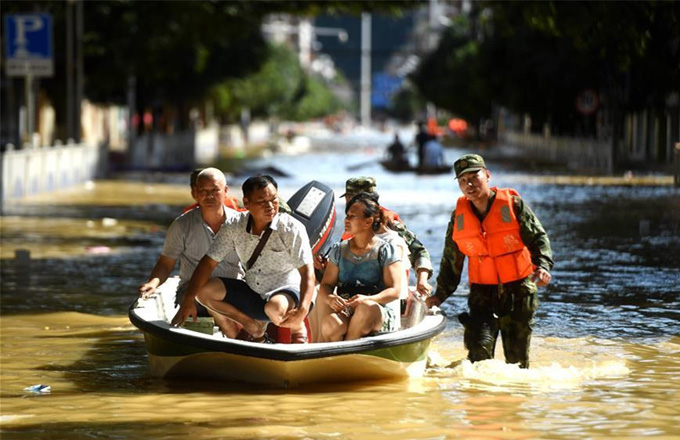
[(451, 266), (533, 235), (419, 256)]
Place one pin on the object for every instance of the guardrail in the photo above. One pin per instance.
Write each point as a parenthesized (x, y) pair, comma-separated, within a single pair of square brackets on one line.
[(33, 170), (584, 154)]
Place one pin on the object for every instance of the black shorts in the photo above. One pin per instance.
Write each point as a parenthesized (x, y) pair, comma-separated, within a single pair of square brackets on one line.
[(201, 311), (241, 296)]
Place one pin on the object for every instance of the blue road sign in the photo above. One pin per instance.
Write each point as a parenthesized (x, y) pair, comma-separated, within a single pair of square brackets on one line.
[(383, 88), (28, 45)]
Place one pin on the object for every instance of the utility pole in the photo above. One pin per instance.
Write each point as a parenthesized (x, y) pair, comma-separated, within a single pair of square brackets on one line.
[(366, 69), (79, 70), (70, 123)]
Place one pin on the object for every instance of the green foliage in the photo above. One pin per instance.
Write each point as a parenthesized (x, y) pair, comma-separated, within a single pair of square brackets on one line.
[(176, 50), (450, 76), (535, 57), (316, 101), (265, 91), (406, 104), (280, 89)]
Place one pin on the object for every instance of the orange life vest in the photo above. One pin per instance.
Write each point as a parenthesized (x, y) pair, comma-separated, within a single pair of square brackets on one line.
[(494, 247), (229, 202), (232, 202)]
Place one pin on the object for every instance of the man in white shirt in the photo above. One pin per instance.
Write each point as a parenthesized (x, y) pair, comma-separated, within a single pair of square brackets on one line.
[(279, 283), (188, 239)]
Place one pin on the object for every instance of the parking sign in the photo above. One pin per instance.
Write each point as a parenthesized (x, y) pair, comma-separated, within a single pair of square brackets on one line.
[(28, 45)]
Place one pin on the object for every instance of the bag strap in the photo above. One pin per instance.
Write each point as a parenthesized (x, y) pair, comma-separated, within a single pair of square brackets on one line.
[(260, 246)]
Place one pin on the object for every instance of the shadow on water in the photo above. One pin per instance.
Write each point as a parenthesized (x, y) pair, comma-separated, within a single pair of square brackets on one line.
[(95, 284), (159, 430)]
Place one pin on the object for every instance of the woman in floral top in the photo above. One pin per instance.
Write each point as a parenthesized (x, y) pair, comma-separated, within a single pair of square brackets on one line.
[(362, 278)]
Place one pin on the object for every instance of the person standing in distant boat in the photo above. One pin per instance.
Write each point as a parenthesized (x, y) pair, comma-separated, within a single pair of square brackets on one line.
[(433, 155), (508, 254), (420, 139)]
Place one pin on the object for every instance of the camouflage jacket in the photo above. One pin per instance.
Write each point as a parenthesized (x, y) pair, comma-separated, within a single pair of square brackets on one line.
[(533, 235), (420, 257)]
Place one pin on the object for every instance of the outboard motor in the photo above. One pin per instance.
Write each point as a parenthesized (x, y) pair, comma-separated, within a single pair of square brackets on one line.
[(314, 206)]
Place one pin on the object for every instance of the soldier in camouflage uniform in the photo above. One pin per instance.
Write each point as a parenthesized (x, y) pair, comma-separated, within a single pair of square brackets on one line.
[(419, 256), (508, 307)]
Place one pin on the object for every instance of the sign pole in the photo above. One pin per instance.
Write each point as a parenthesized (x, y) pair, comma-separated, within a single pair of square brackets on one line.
[(365, 103), (30, 109), (28, 54), (70, 125), (79, 70)]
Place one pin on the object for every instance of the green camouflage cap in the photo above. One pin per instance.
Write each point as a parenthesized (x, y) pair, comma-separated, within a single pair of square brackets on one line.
[(356, 185), (468, 163)]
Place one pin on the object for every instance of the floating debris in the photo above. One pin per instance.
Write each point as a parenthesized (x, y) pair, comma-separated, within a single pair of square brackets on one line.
[(39, 389)]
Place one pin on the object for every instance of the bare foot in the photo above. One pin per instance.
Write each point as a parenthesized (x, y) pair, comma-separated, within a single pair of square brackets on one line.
[(255, 328)]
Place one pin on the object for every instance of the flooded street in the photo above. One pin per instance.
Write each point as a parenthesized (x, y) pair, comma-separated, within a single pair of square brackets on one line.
[(605, 351)]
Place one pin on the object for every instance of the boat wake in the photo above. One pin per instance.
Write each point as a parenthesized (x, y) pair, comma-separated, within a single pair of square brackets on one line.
[(495, 374)]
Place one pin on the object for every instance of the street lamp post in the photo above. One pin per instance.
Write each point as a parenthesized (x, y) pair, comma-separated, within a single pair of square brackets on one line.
[(365, 69)]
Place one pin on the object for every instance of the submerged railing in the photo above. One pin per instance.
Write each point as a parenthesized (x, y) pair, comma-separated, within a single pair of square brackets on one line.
[(34, 170)]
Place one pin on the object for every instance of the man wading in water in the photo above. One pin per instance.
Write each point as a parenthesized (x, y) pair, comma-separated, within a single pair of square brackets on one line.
[(508, 256)]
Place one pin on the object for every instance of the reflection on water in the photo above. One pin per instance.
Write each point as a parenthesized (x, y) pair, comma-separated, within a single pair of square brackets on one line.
[(605, 354)]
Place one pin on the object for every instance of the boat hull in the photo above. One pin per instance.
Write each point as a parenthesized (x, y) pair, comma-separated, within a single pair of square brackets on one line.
[(185, 353), (389, 363)]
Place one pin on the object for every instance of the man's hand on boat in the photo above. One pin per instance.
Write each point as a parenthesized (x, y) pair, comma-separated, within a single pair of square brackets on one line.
[(148, 289), (433, 301), (187, 309)]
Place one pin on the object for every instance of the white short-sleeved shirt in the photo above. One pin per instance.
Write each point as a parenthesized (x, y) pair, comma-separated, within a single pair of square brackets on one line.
[(277, 266), (189, 238)]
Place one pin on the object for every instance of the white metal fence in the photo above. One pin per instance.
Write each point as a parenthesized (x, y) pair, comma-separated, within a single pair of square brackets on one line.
[(35, 170), (576, 153)]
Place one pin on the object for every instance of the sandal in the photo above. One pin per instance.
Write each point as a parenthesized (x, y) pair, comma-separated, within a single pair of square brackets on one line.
[(264, 339), (245, 336)]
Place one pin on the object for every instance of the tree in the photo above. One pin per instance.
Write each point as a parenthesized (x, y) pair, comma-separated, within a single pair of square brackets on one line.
[(536, 57), (176, 50), (451, 77), (279, 89)]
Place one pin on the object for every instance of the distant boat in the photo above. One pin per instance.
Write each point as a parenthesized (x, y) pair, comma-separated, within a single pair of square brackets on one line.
[(408, 168)]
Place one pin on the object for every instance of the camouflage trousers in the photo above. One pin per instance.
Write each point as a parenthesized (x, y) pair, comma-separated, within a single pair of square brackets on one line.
[(509, 309)]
